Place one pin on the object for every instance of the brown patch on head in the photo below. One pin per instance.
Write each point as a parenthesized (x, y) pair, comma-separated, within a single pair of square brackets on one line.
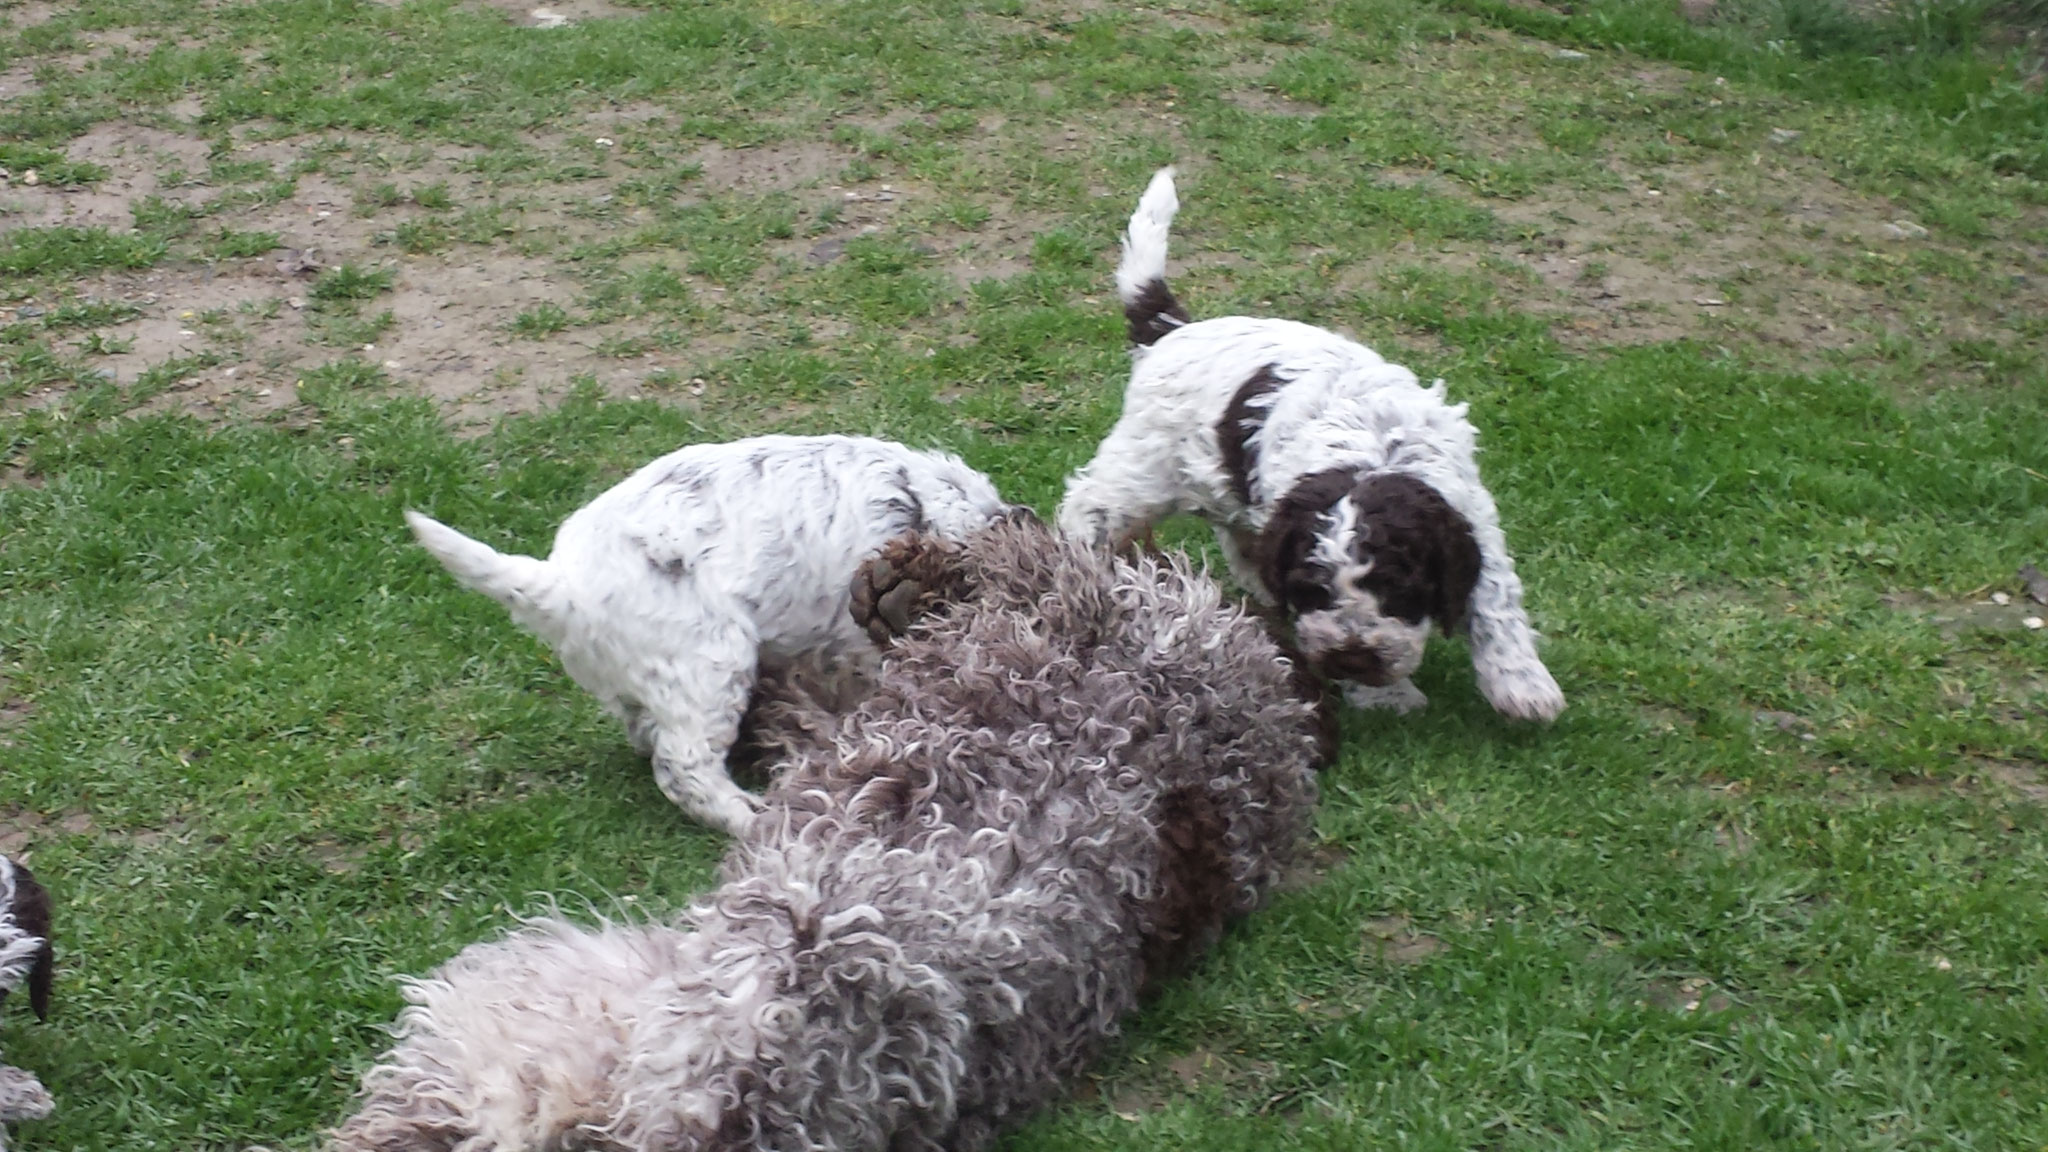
[(1192, 893), (1318, 691), (1242, 419), (1286, 546), (1424, 559)]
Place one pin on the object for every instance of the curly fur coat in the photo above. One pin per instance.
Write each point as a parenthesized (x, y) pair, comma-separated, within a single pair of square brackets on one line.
[(1072, 772)]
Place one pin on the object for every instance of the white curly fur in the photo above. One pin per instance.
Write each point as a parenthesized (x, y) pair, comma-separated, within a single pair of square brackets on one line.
[(1337, 404), (668, 594), (22, 1096), (1058, 790)]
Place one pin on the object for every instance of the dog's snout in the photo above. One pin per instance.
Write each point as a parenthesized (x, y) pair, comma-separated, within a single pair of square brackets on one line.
[(1357, 662)]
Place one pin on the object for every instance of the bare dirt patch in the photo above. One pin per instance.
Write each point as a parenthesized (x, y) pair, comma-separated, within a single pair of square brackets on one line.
[(770, 167), (449, 337), (1314, 866), (1149, 1089), (1393, 940), (1781, 258), (1685, 996), (1756, 247), (2024, 777), (140, 162), (2000, 612), (21, 829), (18, 81), (1267, 102)]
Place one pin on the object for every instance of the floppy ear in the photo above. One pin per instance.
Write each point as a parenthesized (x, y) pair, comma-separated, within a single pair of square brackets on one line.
[(39, 978), (1282, 544), (1457, 570), (1290, 532), (32, 914)]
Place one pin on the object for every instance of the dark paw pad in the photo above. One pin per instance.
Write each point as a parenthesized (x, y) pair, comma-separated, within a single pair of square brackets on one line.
[(911, 576)]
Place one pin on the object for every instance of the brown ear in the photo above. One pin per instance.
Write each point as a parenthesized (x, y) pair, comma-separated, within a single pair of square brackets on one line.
[(1283, 542), (39, 978), (1290, 532), (1457, 571), (31, 913)]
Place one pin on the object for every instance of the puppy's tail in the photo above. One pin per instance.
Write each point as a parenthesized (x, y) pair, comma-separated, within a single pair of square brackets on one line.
[(530, 589), (1149, 305)]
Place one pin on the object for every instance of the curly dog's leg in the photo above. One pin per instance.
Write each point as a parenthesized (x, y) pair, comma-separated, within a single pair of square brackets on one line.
[(911, 576)]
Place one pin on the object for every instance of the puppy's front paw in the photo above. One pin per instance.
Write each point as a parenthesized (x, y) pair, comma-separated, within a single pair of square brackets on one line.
[(1401, 696), (1522, 691), (909, 577)]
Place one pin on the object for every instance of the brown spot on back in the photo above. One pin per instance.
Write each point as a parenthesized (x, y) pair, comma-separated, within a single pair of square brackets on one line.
[(1242, 419)]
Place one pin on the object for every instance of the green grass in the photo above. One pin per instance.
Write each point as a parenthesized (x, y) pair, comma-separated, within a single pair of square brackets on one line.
[(68, 251), (270, 757), (348, 282)]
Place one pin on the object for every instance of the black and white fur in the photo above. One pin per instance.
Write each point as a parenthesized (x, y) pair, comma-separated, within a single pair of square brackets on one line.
[(667, 595), (1341, 490), (26, 958)]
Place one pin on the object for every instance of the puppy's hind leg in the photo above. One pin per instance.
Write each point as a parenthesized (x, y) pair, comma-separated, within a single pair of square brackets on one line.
[(1116, 496), (697, 711)]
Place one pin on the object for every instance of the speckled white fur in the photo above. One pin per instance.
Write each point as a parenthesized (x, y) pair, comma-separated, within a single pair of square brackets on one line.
[(667, 594), (1341, 406)]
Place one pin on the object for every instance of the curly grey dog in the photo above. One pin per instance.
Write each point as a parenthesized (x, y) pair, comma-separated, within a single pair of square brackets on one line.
[(1072, 772)]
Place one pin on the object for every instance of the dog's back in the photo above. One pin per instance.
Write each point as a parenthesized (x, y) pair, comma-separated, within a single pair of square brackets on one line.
[(761, 534)]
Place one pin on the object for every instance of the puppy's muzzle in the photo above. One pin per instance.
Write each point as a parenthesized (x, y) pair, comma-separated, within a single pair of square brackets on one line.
[(1355, 662)]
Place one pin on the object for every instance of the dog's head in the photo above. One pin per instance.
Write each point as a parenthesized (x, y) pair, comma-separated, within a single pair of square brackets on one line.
[(25, 952), (1362, 562)]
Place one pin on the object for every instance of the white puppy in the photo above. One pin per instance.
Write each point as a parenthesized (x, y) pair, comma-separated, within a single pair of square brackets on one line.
[(667, 595), (1340, 488)]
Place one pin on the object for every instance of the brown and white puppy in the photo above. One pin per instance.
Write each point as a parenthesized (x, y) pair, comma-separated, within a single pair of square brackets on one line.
[(1342, 491), (25, 958)]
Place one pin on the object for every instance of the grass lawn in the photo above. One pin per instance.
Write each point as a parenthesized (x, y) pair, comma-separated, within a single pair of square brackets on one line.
[(1752, 315)]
